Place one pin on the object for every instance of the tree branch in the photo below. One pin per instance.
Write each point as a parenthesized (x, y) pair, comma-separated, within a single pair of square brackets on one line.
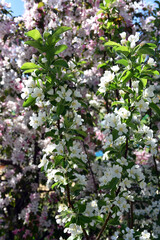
[(70, 204), (107, 219), (91, 171), (7, 162)]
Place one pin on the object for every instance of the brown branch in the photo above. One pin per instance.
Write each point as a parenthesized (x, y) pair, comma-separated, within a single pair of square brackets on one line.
[(7, 162), (131, 215), (70, 204), (90, 168), (154, 160), (126, 151), (107, 219), (156, 169), (104, 225)]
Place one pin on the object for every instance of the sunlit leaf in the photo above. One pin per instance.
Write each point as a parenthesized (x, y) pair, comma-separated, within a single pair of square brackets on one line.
[(35, 34), (29, 101), (29, 65)]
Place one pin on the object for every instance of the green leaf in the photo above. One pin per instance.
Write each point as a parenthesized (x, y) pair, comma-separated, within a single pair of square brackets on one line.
[(127, 77), (35, 45), (114, 221), (80, 132), (150, 72), (29, 65), (122, 62), (112, 44), (115, 134), (83, 219), (58, 160), (117, 102), (78, 138), (132, 125), (41, 4), (98, 218), (58, 32), (61, 30), (112, 184), (122, 49), (150, 45), (60, 48), (46, 35), (144, 81), (60, 108), (61, 63), (155, 108), (35, 34), (54, 185), (50, 133), (29, 71), (102, 38), (30, 101), (101, 65), (146, 50), (81, 207)]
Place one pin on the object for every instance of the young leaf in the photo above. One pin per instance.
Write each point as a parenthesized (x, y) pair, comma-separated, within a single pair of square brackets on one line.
[(155, 108), (35, 45), (58, 160), (144, 81), (61, 63), (150, 45), (127, 77), (146, 50), (40, 4), (54, 185), (60, 48), (29, 101), (80, 132), (122, 62), (60, 108), (112, 44), (102, 38), (35, 34), (56, 34), (29, 65), (122, 49), (101, 65)]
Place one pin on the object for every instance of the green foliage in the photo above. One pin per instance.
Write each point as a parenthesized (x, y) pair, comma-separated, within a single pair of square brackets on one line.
[(34, 34), (155, 108), (29, 66), (30, 101)]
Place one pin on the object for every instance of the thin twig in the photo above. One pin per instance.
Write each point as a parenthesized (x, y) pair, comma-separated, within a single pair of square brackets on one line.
[(131, 215), (104, 225), (126, 151)]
